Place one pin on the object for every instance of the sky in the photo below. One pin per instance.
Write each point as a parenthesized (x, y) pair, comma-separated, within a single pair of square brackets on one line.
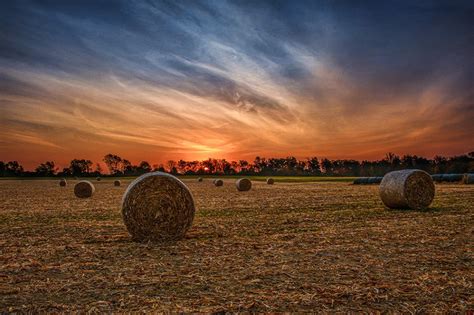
[(160, 80)]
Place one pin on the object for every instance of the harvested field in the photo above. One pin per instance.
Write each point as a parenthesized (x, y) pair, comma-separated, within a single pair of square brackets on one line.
[(313, 246)]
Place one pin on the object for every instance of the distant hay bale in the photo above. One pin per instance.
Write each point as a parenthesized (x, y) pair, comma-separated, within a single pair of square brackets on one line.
[(407, 189), (438, 178), (270, 181), (157, 207), (468, 179), (98, 179), (200, 179), (455, 178), (84, 189), (63, 182), (452, 178), (361, 181), (373, 180), (243, 184), (218, 182), (117, 183)]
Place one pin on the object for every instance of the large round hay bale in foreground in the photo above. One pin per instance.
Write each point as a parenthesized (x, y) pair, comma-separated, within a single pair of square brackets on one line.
[(200, 179), (468, 179), (412, 189), (117, 183), (157, 207), (243, 184), (63, 182), (218, 182), (270, 181), (84, 189)]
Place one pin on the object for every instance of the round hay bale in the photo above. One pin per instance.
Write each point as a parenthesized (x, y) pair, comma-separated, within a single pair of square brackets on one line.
[(98, 179), (84, 189), (407, 189), (362, 181), (437, 177), (357, 181), (243, 184), (468, 179), (270, 181), (218, 182), (157, 207), (200, 179), (117, 183), (372, 180), (62, 182), (456, 177)]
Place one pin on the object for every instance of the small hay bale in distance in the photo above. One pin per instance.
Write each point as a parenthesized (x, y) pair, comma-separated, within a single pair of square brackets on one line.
[(361, 181), (270, 181), (84, 189), (468, 179), (62, 182), (373, 180), (157, 207), (437, 177), (218, 182), (403, 189), (117, 183), (98, 179), (243, 184), (200, 179)]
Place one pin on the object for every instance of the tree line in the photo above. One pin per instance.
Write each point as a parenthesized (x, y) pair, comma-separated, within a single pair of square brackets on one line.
[(289, 166)]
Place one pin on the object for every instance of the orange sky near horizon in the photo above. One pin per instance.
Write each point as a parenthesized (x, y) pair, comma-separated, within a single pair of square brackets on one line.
[(142, 122)]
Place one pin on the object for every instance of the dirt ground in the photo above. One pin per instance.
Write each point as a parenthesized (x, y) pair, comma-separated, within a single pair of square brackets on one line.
[(288, 247)]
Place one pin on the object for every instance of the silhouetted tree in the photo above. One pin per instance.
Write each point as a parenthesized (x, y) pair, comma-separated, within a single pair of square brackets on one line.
[(46, 169)]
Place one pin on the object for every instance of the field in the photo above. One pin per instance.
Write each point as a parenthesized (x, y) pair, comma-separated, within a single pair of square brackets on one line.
[(294, 246)]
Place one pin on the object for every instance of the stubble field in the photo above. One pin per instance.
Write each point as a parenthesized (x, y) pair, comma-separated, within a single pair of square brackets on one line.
[(323, 246)]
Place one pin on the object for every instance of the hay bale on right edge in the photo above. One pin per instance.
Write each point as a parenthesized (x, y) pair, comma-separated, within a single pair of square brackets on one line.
[(218, 182), (84, 189), (243, 184), (117, 183), (468, 179), (157, 207), (63, 182), (407, 189), (270, 181)]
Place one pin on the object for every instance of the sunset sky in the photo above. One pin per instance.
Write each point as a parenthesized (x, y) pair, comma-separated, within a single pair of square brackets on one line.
[(160, 80)]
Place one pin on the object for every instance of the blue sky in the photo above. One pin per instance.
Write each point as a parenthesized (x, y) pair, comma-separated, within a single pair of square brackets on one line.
[(193, 79)]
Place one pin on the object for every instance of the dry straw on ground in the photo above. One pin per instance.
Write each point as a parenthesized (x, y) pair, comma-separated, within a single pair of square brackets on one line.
[(290, 248), (218, 182), (270, 181), (84, 189), (157, 207), (407, 189), (117, 183), (243, 184), (63, 182)]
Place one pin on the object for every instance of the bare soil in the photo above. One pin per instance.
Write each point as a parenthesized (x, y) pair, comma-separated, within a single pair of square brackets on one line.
[(322, 246)]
